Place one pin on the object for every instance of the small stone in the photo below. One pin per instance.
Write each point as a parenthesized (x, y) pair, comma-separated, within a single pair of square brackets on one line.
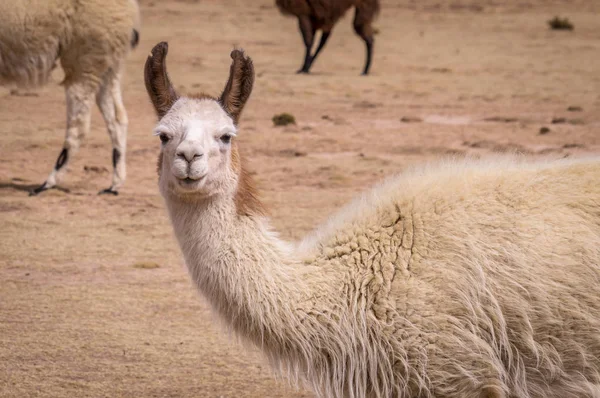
[(501, 119), (366, 105), (411, 119), (544, 130), (146, 265)]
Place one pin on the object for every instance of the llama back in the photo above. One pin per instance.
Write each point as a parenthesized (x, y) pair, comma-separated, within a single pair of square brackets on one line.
[(443, 181), (325, 11), (510, 265), (115, 23), (293, 7), (330, 10), (488, 274)]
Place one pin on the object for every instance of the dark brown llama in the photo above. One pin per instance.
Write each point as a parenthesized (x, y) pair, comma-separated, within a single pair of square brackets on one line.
[(322, 15)]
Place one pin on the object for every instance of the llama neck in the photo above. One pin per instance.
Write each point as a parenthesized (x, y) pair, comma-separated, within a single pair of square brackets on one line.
[(241, 267), (297, 313)]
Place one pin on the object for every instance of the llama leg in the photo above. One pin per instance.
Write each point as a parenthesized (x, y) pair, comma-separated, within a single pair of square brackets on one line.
[(79, 103), (113, 111), (324, 37), (308, 35), (363, 28)]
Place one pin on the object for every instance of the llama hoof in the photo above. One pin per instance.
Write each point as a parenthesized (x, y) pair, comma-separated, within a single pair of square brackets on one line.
[(108, 191), (302, 71), (38, 190)]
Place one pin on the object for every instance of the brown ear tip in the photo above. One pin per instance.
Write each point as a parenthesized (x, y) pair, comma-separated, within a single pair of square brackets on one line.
[(160, 49), (239, 53)]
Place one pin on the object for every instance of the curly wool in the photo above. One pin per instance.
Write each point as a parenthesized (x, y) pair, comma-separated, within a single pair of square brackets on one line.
[(482, 277)]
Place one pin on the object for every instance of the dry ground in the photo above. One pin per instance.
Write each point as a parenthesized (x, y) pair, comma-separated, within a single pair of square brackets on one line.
[(94, 297)]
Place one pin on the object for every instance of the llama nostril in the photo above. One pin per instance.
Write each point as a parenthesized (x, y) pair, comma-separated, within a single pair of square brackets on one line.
[(189, 156)]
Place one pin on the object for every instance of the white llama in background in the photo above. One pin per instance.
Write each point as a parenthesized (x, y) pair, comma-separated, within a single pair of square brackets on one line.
[(471, 279), (91, 38)]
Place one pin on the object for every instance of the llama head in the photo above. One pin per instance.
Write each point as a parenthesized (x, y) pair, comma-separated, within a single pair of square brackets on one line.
[(198, 156)]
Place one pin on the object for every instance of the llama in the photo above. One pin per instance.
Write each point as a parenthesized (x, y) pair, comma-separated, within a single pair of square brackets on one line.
[(91, 38), (322, 15), (470, 279)]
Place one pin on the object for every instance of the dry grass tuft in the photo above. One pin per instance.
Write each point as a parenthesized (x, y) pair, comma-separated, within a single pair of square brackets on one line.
[(558, 23), (283, 119), (146, 265)]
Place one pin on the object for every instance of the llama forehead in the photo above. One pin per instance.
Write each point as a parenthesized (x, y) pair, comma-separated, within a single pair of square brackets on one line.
[(197, 117)]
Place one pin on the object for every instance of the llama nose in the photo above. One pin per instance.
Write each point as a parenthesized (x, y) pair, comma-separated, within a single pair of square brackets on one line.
[(189, 153)]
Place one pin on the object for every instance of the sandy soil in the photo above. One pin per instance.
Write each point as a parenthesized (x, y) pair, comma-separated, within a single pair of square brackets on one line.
[(94, 298)]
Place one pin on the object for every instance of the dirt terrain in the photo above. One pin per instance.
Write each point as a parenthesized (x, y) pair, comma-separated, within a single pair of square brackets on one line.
[(95, 300)]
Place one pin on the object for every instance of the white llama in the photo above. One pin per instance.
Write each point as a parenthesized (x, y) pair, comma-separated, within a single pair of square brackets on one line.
[(91, 39), (473, 279)]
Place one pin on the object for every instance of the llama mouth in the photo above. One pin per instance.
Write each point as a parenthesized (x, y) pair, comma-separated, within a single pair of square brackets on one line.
[(187, 182)]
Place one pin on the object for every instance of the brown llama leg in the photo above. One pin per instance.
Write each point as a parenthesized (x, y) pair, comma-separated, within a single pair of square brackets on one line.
[(324, 37), (308, 35), (362, 26)]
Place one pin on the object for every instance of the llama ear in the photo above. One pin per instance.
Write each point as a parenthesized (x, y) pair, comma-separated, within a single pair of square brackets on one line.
[(239, 86), (159, 87)]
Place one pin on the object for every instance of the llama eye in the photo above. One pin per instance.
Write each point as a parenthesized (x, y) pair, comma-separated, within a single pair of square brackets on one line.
[(226, 138), (164, 138)]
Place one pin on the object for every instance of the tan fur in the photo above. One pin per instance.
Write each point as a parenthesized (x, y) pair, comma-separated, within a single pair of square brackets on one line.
[(88, 37), (246, 198), (464, 279)]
